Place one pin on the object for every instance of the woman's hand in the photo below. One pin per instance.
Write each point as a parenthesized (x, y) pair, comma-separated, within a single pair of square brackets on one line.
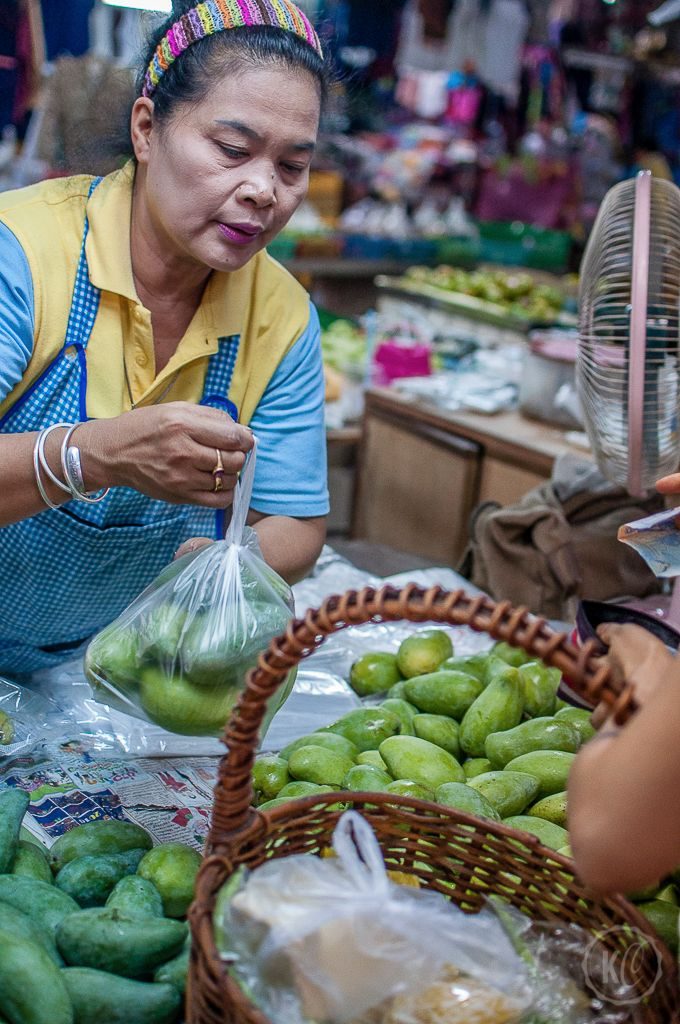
[(168, 452), (635, 656), (191, 545)]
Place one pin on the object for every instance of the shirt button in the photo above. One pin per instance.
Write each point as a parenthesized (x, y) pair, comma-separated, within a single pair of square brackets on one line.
[(141, 359), (139, 316)]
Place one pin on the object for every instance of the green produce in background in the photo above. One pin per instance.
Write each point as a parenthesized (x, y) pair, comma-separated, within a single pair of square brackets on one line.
[(440, 730), (176, 704), (465, 798), (545, 831), (108, 836), (172, 868), (44, 904), (137, 896), (331, 740), (298, 789), (536, 734), (408, 757), (404, 711), (27, 837), (551, 808), (471, 664), (7, 731), (319, 765), (423, 652), (373, 758), (540, 685), (102, 998), (90, 879), (278, 801), (508, 792), (19, 924), (32, 990), (175, 971), (663, 917), (398, 690), (444, 693), (364, 778), (566, 851), (580, 719), (498, 707), (374, 673), (13, 805), (129, 945), (550, 768), (668, 895), (32, 862), (514, 656), (270, 774), (406, 787), (476, 766), (366, 728)]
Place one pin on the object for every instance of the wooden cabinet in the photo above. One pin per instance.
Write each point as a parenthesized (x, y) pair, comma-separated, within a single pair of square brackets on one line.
[(422, 471)]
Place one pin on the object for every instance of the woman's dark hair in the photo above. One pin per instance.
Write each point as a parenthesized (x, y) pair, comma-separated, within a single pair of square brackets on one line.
[(192, 75)]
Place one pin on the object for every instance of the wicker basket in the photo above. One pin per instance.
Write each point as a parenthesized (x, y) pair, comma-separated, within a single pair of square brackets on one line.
[(442, 847)]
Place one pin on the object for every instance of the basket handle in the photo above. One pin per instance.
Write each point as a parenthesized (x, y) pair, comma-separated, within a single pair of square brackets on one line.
[(588, 675)]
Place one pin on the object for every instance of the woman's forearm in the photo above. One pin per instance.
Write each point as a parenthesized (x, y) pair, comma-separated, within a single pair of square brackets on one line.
[(290, 546), (624, 828), (19, 494)]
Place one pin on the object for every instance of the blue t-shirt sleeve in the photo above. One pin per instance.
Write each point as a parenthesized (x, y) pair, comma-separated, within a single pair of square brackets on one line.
[(16, 312), (291, 471)]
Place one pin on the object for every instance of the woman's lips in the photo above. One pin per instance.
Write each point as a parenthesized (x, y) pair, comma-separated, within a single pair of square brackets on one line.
[(240, 234)]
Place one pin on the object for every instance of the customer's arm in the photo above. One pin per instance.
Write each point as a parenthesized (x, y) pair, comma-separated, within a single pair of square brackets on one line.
[(624, 814)]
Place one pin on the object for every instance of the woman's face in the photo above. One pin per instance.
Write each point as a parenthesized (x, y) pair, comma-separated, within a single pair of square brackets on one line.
[(222, 177)]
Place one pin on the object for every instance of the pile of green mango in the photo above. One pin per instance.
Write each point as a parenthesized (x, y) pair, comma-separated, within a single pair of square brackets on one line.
[(484, 733), (183, 671), (7, 730), (91, 929)]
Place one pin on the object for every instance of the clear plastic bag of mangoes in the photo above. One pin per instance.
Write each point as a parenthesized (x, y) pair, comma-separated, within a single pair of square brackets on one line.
[(178, 656)]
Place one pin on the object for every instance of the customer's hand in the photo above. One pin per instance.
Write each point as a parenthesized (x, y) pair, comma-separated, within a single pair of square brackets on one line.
[(194, 544), (168, 452), (669, 484), (635, 656)]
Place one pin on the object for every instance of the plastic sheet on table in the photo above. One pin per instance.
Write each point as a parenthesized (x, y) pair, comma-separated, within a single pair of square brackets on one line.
[(32, 720)]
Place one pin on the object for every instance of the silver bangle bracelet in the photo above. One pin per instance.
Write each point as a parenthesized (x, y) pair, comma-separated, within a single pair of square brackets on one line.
[(36, 468), (73, 473), (43, 459)]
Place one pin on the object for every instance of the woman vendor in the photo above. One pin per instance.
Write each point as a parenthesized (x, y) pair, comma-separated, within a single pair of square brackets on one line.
[(146, 336)]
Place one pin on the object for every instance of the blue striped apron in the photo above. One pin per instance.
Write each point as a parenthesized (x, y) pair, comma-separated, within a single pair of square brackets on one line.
[(66, 573)]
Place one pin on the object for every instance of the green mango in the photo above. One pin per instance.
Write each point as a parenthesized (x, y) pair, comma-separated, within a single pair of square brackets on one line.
[(545, 831), (270, 774), (13, 806), (374, 673), (406, 787), (330, 740), (507, 792), (102, 998), (136, 895), (465, 798), (366, 728), (398, 691), (319, 765), (373, 758), (423, 652), (172, 868), (7, 730), (580, 719), (159, 635), (668, 895), (18, 923), (649, 892), (94, 837), (536, 734), (550, 768), (471, 664), (175, 972), (32, 862), (551, 808), (514, 656), (497, 708), (32, 990), (89, 880), (278, 801), (663, 917), (539, 684), (404, 711), (297, 789), (440, 730), (43, 903), (27, 837), (125, 944), (408, 757), (566, 851), (115, 655), (476, 766), (363, 778), (494, 667), (560, 705), (176, 704), (443, 693)]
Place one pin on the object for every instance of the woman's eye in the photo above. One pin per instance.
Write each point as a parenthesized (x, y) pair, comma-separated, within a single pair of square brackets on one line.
[(293, 168), (233, 154)]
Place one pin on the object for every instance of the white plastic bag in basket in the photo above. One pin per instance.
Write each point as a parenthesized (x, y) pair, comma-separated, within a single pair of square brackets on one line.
[(179, 654), (327, 939)]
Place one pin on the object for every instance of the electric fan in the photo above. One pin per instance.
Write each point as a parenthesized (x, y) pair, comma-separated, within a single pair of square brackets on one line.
[(629, 345)]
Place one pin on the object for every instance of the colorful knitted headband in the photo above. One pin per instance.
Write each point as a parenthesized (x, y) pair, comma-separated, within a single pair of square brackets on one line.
[(217, 15)]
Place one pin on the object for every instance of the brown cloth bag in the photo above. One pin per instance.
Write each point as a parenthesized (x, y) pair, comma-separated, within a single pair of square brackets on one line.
[(558, 544)]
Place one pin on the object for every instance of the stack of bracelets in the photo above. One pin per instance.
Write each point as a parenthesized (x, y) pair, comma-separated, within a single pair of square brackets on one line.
[(71, 468)]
